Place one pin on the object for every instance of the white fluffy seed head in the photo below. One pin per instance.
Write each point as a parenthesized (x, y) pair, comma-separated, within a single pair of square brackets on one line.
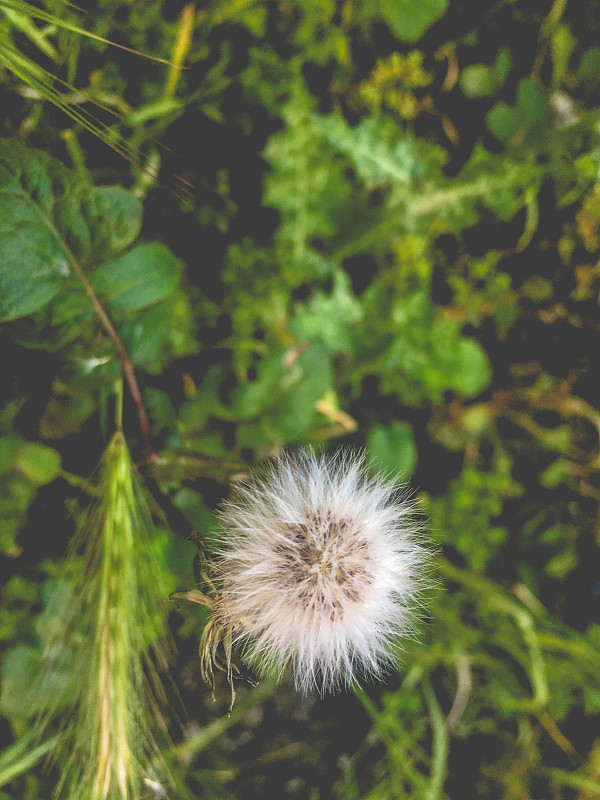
[(321, 569)]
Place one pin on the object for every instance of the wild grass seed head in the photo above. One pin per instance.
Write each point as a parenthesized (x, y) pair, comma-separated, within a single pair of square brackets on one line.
[(105, 628)]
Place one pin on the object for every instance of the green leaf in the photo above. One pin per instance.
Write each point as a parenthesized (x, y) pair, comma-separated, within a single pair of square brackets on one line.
[(473, 371), (34, 257), (195, 509), (50, 217), (528, 115), (144, 335), (409, 19), (503, 121), (484, 80), (308, 186), (21, 667), (250, 399), (40, 464), (393, 448), (330, 318), (281, 401), (380, 151), (555, 474), (306, 381), (530, 104), (495, 181), (563, 44), (114, 217), (588, 71), (140, 277)]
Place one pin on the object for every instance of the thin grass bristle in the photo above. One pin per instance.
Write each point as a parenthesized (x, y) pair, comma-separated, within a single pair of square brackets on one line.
[(51, 88)]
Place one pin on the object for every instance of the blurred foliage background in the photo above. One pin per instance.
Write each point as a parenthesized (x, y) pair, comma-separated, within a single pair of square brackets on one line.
[(328, 223)]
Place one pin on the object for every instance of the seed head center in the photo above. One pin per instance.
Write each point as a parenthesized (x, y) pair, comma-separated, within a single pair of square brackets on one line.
[(325, 552)]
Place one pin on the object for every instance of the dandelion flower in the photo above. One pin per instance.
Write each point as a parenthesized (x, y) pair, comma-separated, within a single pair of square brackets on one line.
[(321, 570)]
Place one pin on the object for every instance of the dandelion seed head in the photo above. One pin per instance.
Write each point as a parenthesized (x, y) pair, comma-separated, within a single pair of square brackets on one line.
[(321, 569)]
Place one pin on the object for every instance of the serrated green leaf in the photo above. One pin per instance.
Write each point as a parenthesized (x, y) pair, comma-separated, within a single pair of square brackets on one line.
[(495, 181), (308, 187), (139, 278), (330, 318), (379, 150)]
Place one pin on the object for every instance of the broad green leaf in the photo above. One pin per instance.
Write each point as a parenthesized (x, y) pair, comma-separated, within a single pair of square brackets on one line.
[(49, 218), (308, 378), (393, 448), (588, 71), (250, 399), (473, 371), (140, 277), (283, 397), (114, 217), (530, 103), (20, 668), (503, 121), (145, 334), (195, 509), (39, 221), (151, 338), (409, 19), (527, 115), (40, 464), (484, 80)]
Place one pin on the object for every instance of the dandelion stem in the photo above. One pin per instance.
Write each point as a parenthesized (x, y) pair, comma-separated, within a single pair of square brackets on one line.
[(439, 755)]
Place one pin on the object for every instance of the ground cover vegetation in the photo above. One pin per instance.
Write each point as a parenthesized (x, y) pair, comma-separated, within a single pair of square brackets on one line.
[(279, 224)]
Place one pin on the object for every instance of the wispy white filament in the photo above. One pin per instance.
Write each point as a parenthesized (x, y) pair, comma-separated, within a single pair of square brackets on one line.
[(321, 569)]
